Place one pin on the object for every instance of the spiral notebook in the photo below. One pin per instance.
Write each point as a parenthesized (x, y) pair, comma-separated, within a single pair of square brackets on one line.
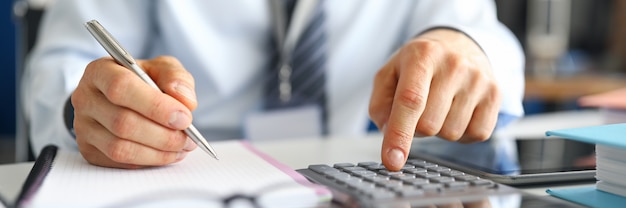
[(62, 178)]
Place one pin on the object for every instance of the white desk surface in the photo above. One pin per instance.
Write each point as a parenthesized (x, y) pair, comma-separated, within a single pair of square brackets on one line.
[(296, 154)]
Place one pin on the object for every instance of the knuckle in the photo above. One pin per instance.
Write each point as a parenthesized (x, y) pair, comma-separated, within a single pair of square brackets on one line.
[(166, 158), (425, 45), (166, 59), (375, 107), (479, 134), (426, 129), (411, 97), (78, 101), (402, 135), (80, 128), (122, 151), (456, 64), (493, 93), (115, 91), (477, 77), (175, 141), (450, 134), (428, 49), (380, 76), (155, 110), (94, 66), (477, 83), (453, 60), (167, 62), (124, 124)]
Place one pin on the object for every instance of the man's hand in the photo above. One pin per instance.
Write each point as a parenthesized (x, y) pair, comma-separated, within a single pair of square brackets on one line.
[(120, 121), (441, 84)]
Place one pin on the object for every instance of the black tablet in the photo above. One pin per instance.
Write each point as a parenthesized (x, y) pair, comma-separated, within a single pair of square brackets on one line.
[(519, 161)]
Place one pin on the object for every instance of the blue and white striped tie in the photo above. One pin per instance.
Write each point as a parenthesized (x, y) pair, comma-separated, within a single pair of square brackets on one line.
[(308, 67)]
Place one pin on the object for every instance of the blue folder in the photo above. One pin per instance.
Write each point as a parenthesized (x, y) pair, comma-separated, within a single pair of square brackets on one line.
[(609, 135), (589, 196)]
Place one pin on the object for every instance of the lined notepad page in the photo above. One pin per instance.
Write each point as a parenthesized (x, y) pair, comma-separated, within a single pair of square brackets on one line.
[(197, 180)]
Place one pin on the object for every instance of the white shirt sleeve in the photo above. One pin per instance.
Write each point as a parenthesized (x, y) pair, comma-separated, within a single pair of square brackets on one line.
[(63, 49)]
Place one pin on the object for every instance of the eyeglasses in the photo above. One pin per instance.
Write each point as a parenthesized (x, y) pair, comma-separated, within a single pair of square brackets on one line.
[(275, 195)]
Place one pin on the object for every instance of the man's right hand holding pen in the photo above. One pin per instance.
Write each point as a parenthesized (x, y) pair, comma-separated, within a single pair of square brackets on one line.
[(122, 122)]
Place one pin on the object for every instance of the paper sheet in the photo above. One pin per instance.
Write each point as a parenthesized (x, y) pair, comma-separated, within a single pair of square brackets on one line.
[(198, 179)]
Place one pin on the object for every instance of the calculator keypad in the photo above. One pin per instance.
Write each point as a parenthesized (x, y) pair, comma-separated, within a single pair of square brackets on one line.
[(416, 178)]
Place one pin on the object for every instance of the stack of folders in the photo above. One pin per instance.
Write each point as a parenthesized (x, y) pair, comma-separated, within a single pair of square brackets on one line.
[(610, 189), (611, 169), (611, 159)]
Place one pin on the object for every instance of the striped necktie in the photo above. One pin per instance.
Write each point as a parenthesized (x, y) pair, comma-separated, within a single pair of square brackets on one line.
[(308, 66)]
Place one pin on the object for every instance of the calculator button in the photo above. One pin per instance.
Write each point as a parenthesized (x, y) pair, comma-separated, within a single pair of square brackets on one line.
[(417, 181), (410, 191), (349, 180), (380, 179), (482, 182), (389, 173), (442, 179), (452, 173), (339, 176), (376, 167), (424, 164), (382, 194), (466, 177), (390, 184), (366, 164), (431, 187), (439, 169), (457, 185), (343, 165), (323, 169), (402, 176), (415, 170), (428, 175), (363, 187), (407, 166)]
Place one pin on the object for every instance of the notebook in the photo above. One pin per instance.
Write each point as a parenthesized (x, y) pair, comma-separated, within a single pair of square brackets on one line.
[(610, 143), (62, 178)]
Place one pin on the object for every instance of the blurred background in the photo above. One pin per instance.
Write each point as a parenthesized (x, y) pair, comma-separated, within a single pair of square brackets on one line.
[(573, 48)]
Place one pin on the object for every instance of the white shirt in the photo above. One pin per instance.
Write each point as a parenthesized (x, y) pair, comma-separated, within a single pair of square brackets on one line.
[(224, 45)]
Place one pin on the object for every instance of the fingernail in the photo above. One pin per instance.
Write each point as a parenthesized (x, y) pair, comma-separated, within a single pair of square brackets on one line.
[(185, 91), (396, 158), (189, 145), (179, 120), (180, 156)]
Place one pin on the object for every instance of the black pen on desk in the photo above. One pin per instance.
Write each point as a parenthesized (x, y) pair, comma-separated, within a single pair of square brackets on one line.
[(123, 57)]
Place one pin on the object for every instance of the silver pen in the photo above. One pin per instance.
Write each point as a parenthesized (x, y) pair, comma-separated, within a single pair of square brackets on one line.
[(123, 57)]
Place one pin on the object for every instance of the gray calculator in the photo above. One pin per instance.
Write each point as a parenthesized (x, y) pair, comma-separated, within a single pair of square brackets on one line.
[(419, 183)]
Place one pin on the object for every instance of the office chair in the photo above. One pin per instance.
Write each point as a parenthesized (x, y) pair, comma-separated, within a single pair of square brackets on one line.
[(27, 15)]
